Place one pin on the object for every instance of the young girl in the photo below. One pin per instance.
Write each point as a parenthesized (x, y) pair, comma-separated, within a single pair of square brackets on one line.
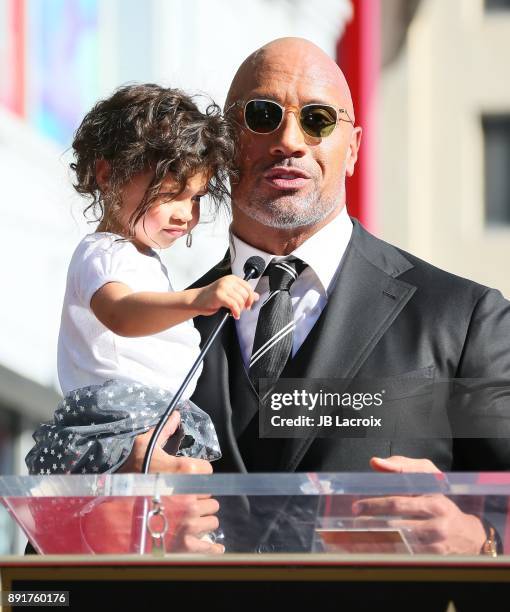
[(145, 156)]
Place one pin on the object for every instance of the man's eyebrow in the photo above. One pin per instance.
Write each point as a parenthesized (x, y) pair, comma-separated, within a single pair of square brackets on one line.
[(260, 95), (264, 95), (322, 101)]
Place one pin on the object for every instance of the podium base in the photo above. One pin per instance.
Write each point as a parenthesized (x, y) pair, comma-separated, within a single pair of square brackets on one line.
[(363, 582)]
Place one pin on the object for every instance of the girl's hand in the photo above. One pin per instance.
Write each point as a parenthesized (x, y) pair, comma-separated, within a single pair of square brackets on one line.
[(230, 292)]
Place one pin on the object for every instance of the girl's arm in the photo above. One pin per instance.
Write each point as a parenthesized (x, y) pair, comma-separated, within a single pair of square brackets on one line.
[(145, 313)]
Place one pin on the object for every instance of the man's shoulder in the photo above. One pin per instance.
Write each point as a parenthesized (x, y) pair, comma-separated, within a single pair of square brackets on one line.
[(409, 268)]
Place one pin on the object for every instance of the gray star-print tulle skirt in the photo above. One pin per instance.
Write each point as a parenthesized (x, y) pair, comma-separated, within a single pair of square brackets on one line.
[(94, 428)]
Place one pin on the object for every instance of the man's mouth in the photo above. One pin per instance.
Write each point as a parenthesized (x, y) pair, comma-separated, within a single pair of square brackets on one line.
[(286, 178)]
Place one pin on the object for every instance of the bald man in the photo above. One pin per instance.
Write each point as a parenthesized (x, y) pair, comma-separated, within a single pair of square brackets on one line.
[(362, 308), (359, 308)]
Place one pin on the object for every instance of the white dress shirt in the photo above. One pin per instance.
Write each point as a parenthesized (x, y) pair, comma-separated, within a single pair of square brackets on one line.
[(322, 252)]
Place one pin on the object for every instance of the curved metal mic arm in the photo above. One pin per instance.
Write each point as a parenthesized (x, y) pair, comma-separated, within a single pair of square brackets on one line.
[(253, 268)]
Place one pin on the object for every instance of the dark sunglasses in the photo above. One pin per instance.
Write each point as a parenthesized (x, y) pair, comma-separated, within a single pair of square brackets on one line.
[(316, 120)]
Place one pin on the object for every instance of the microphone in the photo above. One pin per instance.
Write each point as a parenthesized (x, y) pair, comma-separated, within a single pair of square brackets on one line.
[(253, 268)]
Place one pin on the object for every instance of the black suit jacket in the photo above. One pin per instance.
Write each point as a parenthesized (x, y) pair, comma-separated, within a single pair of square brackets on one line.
[(389, 315)]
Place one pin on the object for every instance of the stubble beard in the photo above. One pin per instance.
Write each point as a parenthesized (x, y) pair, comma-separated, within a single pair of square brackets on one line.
[(293, 211)]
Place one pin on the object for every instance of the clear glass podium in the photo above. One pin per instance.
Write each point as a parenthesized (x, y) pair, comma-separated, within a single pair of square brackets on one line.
[(160, 514)]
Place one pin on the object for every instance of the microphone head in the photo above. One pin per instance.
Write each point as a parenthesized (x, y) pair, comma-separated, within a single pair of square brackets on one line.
[(254, 266)]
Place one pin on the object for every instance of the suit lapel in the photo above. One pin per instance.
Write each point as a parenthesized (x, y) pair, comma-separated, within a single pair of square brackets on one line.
[(366, 299), (363, 304)]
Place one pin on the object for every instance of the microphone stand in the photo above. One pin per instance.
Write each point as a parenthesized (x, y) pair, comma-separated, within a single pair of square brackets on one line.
[(253, 268), (180, 391)]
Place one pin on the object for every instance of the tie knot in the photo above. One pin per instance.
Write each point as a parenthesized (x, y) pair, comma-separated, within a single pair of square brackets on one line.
[(283, 273)]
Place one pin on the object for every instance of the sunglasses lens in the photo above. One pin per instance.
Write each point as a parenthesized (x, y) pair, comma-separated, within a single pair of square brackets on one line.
[(262, 116), (317, 120)]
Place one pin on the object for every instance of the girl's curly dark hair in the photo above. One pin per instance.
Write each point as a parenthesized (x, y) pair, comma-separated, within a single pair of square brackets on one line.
[(149, 127)]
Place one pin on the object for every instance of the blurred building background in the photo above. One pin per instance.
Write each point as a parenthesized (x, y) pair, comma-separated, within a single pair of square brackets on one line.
[(443, 143), (430, 85)]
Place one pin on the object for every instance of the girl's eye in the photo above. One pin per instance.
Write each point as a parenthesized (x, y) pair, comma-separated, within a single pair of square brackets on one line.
[(165, 202)]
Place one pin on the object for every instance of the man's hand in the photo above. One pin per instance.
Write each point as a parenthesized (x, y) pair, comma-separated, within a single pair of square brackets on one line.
[(161, 461), (435, 524), (107, 526), (191, 516), (403, 465)]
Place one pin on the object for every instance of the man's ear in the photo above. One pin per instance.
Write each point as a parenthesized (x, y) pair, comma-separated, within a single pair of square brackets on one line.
[(103, 172), (352, 156)]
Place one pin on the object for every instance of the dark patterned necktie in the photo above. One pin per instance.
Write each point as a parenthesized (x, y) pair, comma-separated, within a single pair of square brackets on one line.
[(272, 344)]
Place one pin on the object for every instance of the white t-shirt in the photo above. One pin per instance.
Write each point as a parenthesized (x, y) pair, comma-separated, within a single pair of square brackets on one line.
[(88, 352)]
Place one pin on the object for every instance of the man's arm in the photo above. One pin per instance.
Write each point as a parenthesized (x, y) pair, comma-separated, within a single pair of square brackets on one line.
[(443, 527), (485, 358)]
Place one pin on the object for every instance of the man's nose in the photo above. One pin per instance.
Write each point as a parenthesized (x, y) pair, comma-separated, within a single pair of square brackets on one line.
[(289, 139)]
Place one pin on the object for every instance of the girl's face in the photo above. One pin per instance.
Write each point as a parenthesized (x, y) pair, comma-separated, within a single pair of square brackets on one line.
[(167, 219)]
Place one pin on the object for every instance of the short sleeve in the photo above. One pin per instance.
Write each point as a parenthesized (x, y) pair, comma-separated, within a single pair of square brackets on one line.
[(105, 260)]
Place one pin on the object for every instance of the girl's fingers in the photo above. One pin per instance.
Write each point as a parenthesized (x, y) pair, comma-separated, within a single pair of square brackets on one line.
[(242, 287), (235, 303), (253, 298), (233, 306), (242, 290), (239, 290), (245, 298), (236, 295), (247, 294)]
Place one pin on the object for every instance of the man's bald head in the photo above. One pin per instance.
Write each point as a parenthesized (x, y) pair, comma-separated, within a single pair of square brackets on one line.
[(290, 57), (290, 183)]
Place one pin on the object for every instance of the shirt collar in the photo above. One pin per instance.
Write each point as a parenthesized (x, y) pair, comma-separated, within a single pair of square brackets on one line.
[(323, 251)]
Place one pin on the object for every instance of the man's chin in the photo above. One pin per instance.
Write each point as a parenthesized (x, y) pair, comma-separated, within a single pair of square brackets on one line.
[(285, 220), (285, 211)]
